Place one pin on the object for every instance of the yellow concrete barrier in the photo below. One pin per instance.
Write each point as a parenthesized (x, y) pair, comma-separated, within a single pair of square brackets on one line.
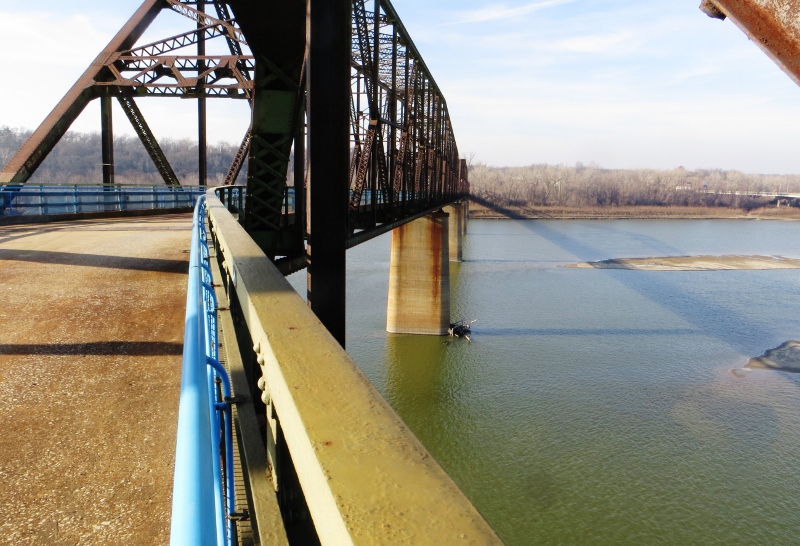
[(366, 478)]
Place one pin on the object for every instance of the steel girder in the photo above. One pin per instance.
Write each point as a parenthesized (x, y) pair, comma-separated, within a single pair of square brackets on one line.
[(774, 25), (148, 139), (276, 33)]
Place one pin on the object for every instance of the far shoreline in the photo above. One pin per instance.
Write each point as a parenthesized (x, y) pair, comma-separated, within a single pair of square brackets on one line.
[(480, 211)]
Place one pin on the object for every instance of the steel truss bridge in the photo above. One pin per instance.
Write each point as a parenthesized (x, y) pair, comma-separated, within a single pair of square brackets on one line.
[(339, 86), (397, 137), (340, 96), (368, 114)]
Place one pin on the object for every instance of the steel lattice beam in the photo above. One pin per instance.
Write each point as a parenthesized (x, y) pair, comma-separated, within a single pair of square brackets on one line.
[(276, 35), (226, 76), (148, 139)]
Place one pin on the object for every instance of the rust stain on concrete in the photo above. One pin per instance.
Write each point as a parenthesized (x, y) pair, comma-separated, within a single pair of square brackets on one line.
[(435, 245)]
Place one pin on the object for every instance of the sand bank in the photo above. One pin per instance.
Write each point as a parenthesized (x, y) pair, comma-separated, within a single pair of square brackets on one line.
[(785, 358), (693, 263)]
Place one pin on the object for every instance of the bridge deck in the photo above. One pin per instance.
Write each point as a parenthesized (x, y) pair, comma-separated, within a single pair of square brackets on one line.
[(90, 360)]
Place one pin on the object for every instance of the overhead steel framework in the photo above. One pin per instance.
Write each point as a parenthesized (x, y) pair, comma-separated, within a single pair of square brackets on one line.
[(338, 81), (403, 157)]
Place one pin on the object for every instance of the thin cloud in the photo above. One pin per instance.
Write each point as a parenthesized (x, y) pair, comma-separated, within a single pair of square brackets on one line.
[(591, 44), (501, 11)]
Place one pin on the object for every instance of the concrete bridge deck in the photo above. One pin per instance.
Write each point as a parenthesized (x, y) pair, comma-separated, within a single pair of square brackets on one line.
[(90, 363)]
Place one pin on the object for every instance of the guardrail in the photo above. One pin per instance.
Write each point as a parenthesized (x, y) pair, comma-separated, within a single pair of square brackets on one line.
[(18, 200), (344, 465), (203, 490), (235, 197)]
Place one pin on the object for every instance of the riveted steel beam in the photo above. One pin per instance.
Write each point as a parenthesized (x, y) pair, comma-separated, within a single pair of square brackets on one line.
[(148, 139), (774, 25), (276, 35)]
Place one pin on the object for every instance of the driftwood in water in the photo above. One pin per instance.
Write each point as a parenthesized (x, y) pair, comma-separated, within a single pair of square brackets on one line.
[(461, 328)]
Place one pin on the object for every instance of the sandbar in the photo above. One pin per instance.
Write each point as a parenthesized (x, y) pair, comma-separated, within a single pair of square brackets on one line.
[(693, 263), (784, 358)]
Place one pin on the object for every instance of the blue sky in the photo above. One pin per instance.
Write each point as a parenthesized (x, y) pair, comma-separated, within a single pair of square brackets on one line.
[(621, 83)]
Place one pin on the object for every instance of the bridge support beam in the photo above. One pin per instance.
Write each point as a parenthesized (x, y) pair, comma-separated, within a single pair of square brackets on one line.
[(329, 159), (455, 227), (107, 140), (465, 205), (419, 277)]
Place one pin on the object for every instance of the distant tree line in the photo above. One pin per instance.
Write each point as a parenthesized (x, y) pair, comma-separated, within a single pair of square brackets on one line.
[(76, 159), (592, 186)]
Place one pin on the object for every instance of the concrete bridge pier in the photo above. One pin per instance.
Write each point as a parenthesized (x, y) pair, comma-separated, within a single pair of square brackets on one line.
[(419, 277), (455, 230), (465, 205)]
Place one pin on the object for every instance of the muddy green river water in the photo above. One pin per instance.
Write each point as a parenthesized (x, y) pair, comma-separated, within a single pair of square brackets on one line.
[(600, 406)]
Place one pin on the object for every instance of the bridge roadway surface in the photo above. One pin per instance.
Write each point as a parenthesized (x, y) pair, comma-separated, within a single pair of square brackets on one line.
[(90, 360)]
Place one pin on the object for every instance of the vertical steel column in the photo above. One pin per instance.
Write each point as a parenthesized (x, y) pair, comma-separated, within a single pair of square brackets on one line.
[(202, 172), (329, 118), (107, 140), (300, 182), (414, 139), (407, 131), (428, 135), (376, 114), (393, 116)]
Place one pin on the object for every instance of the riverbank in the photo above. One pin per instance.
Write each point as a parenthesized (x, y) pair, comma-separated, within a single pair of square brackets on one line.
[(488, 211)]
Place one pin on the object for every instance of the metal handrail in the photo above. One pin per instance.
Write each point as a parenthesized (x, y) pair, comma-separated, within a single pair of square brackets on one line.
[(203, 501), (16, 199), (233, 197)]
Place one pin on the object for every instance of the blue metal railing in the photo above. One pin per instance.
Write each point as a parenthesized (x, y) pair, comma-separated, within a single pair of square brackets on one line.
[(16, 200), (203, 503)]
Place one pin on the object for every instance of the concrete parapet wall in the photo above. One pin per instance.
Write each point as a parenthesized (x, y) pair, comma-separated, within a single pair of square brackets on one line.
[(419, 277), (365, 476)]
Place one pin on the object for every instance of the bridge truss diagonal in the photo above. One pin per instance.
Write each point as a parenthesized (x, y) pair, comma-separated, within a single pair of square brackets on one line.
[(403, 154)]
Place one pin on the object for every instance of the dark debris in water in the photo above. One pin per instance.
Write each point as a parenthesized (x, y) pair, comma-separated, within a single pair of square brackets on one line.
[(461, 328)]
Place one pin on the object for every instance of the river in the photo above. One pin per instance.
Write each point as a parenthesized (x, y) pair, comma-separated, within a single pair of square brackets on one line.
[(599, 406)]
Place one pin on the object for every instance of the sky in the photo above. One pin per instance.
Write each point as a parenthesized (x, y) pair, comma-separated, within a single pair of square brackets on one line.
[(617, 83)]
